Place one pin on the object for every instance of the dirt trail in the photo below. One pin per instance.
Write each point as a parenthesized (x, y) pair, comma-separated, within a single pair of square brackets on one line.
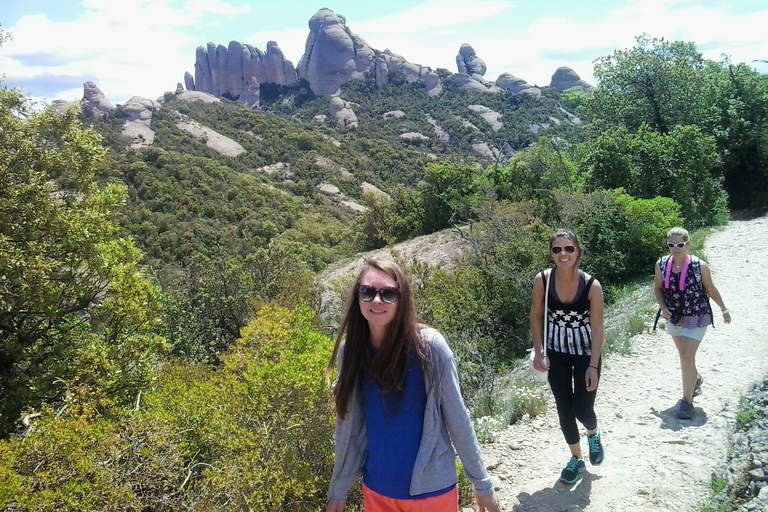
[(654, 462)]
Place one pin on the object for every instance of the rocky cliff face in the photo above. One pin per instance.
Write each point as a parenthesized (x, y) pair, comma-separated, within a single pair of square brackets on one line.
[(236, 71), (333, 55)]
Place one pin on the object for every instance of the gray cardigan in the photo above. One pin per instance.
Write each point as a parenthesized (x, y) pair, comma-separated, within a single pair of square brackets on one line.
[(446, 425)]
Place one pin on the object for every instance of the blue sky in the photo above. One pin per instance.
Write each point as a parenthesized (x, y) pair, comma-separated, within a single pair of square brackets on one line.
[(143, 47)]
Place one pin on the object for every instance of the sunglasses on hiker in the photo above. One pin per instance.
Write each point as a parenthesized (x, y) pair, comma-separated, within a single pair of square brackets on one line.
[(568, 248), (388, 294), (679, 245)]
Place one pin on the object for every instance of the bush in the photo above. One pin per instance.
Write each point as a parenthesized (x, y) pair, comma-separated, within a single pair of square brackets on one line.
[(256, 434)]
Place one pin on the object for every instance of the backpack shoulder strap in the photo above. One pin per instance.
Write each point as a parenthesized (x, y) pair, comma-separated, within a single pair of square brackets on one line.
[(696, 266)]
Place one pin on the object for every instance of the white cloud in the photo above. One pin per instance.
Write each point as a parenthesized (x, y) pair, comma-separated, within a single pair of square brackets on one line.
[(433, 14), (128, 48)]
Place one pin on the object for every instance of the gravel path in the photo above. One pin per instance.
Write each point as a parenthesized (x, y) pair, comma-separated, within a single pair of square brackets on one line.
[(654, 462)]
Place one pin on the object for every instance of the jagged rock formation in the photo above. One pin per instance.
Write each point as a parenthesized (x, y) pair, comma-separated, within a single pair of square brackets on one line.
[(342, 113), (236, 71), (565, 78), (333, 55), (139, 118), (469, 63), (94, 101), (515, 85)]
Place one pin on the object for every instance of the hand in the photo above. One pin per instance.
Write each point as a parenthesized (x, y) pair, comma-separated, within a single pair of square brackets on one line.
[(726, 316), (487, 503), (591, 378), (666, 314), (336, 506), (541, 362)]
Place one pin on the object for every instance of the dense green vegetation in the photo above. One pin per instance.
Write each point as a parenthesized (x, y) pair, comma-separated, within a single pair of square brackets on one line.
[(162, 330)]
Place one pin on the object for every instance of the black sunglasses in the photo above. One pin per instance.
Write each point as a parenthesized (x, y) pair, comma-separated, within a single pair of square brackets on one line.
[(568, 248), (388, 294), (679, 246)]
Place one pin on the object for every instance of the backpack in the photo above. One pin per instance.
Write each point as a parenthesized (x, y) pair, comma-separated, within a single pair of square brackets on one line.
[(695, 266)]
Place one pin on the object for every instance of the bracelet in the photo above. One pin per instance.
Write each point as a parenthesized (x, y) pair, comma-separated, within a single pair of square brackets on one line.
[(595, 367), (726, 312)]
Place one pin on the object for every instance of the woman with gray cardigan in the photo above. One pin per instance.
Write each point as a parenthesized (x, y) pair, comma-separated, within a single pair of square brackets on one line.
[(399, 410)]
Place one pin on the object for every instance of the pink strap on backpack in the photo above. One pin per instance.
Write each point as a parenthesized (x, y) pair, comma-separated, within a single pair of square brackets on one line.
[(683, 273)]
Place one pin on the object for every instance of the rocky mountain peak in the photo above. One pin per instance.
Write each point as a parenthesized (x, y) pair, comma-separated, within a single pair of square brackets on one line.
[(564, 78), (333, 55), (469, 63)]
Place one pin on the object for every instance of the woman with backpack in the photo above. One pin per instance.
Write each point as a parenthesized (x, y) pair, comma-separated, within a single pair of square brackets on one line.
[(573, 345), (683, 286)]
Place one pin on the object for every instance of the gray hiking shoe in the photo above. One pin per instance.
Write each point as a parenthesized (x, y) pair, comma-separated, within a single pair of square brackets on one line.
[(684, 409), (697, 387)]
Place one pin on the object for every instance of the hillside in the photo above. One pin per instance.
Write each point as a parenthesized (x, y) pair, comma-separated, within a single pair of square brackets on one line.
[(293, 166)]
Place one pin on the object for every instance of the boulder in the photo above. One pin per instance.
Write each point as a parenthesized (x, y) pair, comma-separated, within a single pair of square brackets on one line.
[(342, 113), (469, 63), (367, 188), (516, 85), (441, 134), (61, 106), (414, 137), (197, 96), (393, 114), (565, 78), (387, 62), (471, 83), (333, 55), (139, 112), (213, 139), (491, 117), (94, 101)]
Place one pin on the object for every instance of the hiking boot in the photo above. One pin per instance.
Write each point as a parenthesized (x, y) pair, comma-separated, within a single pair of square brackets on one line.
[(572, 470), (684, 409), (697, 387), (596, 452)]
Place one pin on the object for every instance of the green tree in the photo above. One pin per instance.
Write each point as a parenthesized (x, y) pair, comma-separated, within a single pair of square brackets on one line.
[(76, 314), (741, 131), (657, 83), (447, 194), (682, 164)]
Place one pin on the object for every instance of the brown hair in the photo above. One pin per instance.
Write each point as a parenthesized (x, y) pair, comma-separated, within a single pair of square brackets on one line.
[(353, 338), (570, 235)]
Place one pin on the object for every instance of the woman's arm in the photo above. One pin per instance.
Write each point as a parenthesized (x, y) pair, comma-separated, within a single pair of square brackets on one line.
[(537, 321), (597, 329)]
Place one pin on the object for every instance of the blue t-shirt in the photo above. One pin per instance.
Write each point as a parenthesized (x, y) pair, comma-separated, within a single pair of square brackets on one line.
[(394, 425)]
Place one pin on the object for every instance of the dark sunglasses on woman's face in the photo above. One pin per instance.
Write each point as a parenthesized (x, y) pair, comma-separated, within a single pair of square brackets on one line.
[(568, 248), (388, 294), (679, 246)]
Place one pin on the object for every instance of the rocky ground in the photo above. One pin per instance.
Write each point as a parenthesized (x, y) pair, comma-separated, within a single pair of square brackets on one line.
[(654, 461)]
